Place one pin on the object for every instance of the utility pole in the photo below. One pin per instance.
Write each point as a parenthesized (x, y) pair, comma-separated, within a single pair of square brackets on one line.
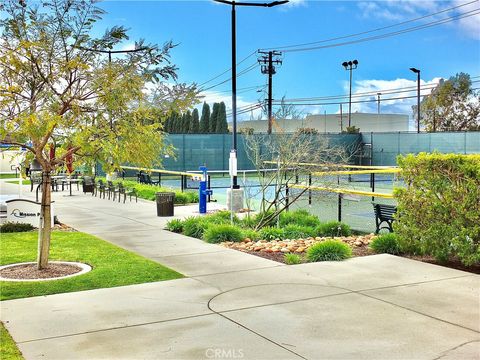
[(267, 61)]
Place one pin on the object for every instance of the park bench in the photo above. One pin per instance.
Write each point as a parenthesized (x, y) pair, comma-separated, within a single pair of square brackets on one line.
[(100, 188), (126, 191), (384, 214)]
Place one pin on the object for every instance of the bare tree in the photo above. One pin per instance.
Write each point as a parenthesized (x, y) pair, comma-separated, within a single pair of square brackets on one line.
[(282, 160)]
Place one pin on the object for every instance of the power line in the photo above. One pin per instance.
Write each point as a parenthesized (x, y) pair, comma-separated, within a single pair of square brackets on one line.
[(243, 72), (395, 33), (226, 71), (353, 102), (372, 93), (373, 30)]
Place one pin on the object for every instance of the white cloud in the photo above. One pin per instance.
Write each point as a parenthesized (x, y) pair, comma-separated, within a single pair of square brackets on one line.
[(401, 10), (387, 89), (295, 3)]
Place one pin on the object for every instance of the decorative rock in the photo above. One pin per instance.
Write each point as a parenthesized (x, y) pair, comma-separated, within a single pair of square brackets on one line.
[(284, 250)]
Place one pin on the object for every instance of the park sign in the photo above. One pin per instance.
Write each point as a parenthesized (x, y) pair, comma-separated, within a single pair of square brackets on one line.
[(24, 211)]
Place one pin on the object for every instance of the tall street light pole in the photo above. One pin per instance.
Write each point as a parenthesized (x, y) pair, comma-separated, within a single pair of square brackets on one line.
[(417, 71), (234, 66), (350, 65)]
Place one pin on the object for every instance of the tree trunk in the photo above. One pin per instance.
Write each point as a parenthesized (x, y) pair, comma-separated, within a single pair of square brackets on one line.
[(45, 222)]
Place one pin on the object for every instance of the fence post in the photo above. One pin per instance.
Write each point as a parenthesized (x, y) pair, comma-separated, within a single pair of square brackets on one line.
[(182, 183), (373, 185), (309, 190), (208, 188), (339, 207), (286, 198)]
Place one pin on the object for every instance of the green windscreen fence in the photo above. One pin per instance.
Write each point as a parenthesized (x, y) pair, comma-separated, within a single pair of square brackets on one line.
[(212, 150), (387, 146)]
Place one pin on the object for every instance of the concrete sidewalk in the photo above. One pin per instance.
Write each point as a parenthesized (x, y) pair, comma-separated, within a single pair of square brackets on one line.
[(239, 306)]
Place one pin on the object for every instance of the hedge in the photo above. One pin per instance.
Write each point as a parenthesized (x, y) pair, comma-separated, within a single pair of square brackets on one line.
[(439, 209)]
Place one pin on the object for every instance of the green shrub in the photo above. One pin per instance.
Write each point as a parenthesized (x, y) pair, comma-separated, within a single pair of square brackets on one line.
[(333, 228), (222, 217), (181, 198), (271, 233), (329, 250), (439, 209), (248, 222), (262, 215), (386, 243), (298, 217), (192, 197), (294, 231), (145, 191), (218, 233), (11, 227), (175, 225), (195, 226), (251, 234), (292, 259)]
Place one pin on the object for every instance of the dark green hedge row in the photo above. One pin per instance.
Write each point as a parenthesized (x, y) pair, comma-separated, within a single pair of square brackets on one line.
[(439, 209)]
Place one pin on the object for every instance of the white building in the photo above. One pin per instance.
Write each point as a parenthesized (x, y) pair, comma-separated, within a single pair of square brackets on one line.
[(333, 123)]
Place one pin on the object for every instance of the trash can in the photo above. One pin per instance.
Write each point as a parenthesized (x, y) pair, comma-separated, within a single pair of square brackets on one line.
[(165, 203)]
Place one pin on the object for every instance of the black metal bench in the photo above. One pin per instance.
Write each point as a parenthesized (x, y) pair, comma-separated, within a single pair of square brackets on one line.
[(384, 214)]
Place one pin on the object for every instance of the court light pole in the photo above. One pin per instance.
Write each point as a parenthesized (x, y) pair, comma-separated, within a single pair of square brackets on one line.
[(417, 71), (350, 65), (233, 4)]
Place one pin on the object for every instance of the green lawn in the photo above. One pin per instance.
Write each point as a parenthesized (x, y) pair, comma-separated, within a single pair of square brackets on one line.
[(8, 348), (112, 266), (24, 182), (7, 176)]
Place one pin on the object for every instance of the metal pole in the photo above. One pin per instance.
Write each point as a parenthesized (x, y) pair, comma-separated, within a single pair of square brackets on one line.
[(234, 88), (378, 103), (270, 73), (309, 190), (418, 101), (350, 101)]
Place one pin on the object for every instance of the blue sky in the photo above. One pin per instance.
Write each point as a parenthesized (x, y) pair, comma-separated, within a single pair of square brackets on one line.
[(202, 30)]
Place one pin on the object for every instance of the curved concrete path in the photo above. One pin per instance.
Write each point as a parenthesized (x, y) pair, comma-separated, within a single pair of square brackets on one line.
[(238, 306)]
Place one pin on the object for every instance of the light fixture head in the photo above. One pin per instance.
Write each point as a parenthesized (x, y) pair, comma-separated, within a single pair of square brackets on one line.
[(355, 62), (416, 71), (345, 64), (350, 63)]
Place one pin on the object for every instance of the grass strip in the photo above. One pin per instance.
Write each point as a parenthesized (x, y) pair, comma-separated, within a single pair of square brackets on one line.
[(8, 348), (112, 265), (24, 182)]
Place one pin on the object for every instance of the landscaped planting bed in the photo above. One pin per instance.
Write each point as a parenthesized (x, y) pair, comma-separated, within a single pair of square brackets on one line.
[(276, 249), (297, 233)]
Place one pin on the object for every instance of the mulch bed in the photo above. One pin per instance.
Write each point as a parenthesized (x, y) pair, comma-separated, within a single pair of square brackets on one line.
[(30, 271)]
